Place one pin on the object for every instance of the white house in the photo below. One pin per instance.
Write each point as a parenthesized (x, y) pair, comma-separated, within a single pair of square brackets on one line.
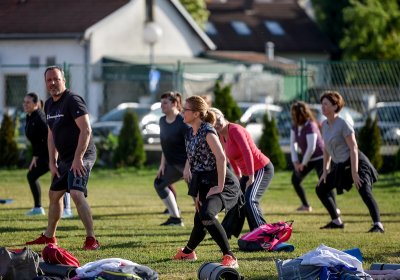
[(80, 34)]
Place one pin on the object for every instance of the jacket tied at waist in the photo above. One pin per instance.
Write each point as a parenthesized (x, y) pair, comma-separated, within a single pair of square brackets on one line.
[(340, 173)]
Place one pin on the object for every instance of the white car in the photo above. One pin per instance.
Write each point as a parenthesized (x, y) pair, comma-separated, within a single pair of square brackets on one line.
[(112, 121), (253, 117)]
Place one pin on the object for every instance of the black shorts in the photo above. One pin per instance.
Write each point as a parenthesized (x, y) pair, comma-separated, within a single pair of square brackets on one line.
[(67, 181)]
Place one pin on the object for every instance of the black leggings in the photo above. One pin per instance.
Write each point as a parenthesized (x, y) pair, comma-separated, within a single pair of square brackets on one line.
[(298, 177), (205, 221), (33, 175), (323, 191)]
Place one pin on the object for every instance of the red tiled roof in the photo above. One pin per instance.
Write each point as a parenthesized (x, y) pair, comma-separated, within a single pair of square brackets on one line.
[(301, 33), (53, 16)]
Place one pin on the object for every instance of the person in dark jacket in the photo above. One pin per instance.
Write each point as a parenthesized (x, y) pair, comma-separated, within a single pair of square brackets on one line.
[(36, 133)]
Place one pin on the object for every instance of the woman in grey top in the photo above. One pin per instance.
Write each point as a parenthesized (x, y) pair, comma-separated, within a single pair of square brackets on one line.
[(344, 164)]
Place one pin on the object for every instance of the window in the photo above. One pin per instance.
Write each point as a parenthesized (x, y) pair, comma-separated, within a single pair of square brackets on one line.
[(16, 88), (241, 28), (274, 28), (34, 62), (50, 60), (210, 28)]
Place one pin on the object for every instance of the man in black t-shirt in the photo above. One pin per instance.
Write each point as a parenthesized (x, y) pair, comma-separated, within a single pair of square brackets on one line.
[(72, 154)]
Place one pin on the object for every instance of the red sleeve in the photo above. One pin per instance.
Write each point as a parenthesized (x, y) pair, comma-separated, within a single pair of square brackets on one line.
[(237, 135)]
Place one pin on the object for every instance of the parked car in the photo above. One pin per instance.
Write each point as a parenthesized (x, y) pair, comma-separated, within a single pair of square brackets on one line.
[(253, 117), (284, 120), (388, 116), (112, 121), (150, 124)]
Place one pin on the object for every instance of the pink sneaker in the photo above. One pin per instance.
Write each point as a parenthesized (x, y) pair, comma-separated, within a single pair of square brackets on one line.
[(181, 256), (228, 260), (42, 239), (91, 243)]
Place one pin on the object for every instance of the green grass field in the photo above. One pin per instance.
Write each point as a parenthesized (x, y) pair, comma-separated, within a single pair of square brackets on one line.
[(127, 214)]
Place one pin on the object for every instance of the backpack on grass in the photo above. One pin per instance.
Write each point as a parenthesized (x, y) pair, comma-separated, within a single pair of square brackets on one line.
[(56, 255), (266, 237)]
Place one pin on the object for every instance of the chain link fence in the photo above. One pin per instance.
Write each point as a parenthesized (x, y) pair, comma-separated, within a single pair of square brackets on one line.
[(364, 85)]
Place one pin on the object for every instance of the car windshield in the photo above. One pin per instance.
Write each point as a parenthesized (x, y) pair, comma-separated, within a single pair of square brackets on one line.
[(389, 114), (117, 115)]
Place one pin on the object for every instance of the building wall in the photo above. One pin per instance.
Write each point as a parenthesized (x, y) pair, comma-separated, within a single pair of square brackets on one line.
[(15, 58), (122, 33)]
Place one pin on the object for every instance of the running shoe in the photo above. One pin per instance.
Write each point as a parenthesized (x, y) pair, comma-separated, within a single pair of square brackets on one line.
[(91, 243), (181, 256), (230, 261), (376, 228), (172, 221), (36, 211), (304, 208), (42, 239), (67, 213), (332, 225)]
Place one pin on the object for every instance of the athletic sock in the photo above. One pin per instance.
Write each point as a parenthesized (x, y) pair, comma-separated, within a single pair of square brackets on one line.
[(67, 201), (170, 203)]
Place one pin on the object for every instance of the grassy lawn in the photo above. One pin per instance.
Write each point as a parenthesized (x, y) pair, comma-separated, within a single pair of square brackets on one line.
[(127, 214)]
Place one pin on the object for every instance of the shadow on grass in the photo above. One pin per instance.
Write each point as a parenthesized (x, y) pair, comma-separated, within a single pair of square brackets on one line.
[(125, 245), (14, 230)]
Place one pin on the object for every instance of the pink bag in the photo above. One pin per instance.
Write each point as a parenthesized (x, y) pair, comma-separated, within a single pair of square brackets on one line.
[(56, 255), (266, 237)]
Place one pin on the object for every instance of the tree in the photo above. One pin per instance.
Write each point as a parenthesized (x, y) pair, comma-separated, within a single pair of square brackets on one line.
[(130, 150), (369, 142), (329, 16), (225, 102), (8, 146), (198, 10), (269, 143), (371, 30), (397, 160)]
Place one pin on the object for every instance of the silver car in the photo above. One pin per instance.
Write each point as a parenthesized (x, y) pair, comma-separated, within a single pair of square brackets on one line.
[(112, 121), (388, 116)]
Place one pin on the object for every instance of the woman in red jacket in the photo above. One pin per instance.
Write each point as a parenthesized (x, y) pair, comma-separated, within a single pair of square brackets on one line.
[(251, 166)]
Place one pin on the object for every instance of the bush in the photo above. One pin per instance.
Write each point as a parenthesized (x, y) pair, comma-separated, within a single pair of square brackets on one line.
[(225, 102), (130, 150), (397, 160), (106, 149), (8, 146), (269, 143), (369, 142)]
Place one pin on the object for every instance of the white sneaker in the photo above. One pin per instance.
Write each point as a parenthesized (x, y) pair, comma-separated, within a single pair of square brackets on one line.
[(36, 211), (67, 213)]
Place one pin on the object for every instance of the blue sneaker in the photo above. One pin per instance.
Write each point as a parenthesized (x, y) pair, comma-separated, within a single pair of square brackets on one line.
[(36, 211)]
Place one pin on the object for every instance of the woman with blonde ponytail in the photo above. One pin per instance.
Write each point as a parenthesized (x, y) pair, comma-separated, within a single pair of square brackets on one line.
[(213, 186)]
